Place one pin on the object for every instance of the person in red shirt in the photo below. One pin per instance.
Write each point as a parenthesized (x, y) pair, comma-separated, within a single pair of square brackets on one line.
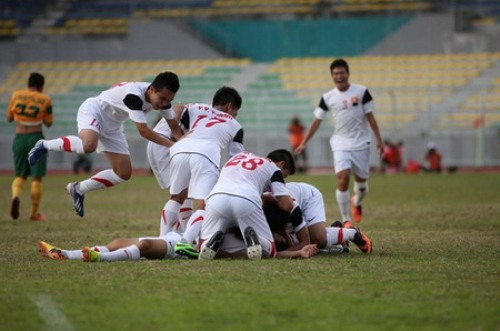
[(296, 132)]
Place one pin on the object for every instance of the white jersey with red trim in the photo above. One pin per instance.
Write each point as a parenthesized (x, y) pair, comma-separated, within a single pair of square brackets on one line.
[(210, 131), (128, 100), (247, 175), (348, 109)]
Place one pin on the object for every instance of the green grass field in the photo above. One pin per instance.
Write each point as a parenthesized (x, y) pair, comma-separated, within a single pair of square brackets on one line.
[(435, 265)]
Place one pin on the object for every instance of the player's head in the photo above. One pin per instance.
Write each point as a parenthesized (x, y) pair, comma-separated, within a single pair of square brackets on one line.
[(36, 81), (284, 160), (228, 100), (339, 69), (162, 90)]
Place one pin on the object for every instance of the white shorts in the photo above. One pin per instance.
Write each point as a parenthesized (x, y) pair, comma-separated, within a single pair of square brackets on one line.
[(226, 211), (357, 161), (170, 239), (159, 161), (314, 209), (194, 172), (111, 135)]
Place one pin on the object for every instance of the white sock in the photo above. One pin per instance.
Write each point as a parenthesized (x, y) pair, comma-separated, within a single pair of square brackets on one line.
[(169, 217), (343, 202), (336, 236), (73, 254), (102, 249), (103, 179), (360, 192), (193, 227), (127, 253), (65, 144), (185, 213)]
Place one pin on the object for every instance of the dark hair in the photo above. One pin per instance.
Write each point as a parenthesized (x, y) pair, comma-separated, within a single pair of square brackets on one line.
[(226, 95), (36, 80), (276, 217), (167, 80), (283, 155), (339, 63)]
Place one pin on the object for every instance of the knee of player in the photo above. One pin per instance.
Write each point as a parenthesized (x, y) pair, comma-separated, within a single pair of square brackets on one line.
[(145, 246)]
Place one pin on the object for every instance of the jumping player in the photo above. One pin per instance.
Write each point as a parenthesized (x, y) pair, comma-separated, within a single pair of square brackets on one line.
[(100, 127)]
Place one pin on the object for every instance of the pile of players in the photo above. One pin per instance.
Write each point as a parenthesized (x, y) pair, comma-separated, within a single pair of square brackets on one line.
[(242, 209)]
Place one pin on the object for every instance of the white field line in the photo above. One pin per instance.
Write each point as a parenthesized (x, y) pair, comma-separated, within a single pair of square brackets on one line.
[(53, 318)]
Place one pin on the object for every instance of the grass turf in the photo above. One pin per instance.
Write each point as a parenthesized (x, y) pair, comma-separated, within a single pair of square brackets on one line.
[(435, 265)]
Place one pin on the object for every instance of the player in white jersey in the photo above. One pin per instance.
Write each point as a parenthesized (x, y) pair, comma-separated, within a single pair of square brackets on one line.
[(100, 127), (195, 159), (159, 161), (152, 248), (235, 201), (310, 201), (352, 107)]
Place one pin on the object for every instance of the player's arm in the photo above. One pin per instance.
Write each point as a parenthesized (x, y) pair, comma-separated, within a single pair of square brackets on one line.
[(9, 113), (310, 133), (305, 252), (48, 118), (376, 132), (300, 228), (236, 145), (150, 135)]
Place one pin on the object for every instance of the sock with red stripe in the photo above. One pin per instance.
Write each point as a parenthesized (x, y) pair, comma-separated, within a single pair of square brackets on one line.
[(76, 254), (103, 179), (185, 213), (193, 227), (65, 144), (169, 217), (336, 236)]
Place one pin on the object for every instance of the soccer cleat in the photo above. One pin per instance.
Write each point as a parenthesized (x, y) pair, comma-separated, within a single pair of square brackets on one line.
[(38, 218), (362, 241), (209, 251), (37, 152), (50, 252), (89, 255), (77, 198), (186, 249), (254, 249), (14, 208), (357, 211)]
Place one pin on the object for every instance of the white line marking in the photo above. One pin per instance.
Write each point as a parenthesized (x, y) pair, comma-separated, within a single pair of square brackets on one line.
[(54, 319)]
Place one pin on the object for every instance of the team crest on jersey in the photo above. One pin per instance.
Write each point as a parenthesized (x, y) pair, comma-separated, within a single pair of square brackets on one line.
[(355, 101)]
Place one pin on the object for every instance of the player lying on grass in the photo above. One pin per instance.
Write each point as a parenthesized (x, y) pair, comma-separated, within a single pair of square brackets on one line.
[(285, 236), (310, 201), (153, 248)]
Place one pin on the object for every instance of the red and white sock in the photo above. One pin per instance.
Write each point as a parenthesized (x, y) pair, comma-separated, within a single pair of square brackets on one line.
[(335, 236), (169, 217), (65, 144), (193, 227), (103, 179)]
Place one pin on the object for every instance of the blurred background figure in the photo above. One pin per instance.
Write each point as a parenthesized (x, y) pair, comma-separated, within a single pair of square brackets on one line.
[(82, 162), (432, 158), (296, 133), (392, 157)]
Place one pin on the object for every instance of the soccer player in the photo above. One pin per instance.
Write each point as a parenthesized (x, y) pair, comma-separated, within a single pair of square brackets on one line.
[(351, 106), (236, 201), (100, 127), (29, 109), (195, 159), (152, 248), (159, 161), (310, 201)]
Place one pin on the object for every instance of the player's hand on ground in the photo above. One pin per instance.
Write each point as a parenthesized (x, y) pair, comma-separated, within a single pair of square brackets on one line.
[(308, 251)]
